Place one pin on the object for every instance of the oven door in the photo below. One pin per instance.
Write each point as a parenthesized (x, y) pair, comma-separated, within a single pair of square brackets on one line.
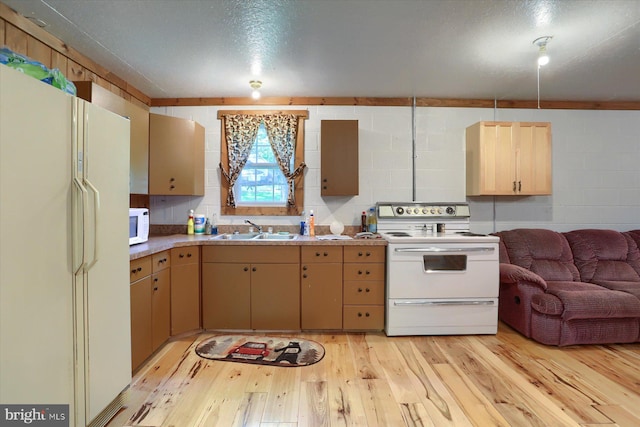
[(447, 270)]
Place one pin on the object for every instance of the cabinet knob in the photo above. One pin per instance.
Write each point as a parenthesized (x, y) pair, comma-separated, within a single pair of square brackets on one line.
[(304, 276), (172, 179), (324, 180), (246, 269), (253, 269), (367, 314), (155, 279), (181, 255), (189, 255), (519, 186), (514, 186), (359, 253), (367, 290), (359, 289), (171, 187), (368, 254), (359, 271), (359, 314), (304, 268), (317, 253), (367, 272), (155, 289), (324, 187), (326, 254)]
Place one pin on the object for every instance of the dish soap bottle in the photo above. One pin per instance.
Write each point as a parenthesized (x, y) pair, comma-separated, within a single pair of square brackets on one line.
[(312, 224), (214, 224), (372, 221), (190, 223)]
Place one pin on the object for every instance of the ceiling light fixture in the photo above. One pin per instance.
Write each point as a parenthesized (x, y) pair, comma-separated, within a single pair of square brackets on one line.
[(543, 56), (255, 85)]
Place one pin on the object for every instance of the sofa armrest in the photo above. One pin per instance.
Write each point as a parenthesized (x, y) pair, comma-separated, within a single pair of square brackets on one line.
[(511, 273)]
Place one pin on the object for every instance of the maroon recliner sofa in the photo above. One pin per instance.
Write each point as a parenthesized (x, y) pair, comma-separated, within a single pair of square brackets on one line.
[(577, 287)]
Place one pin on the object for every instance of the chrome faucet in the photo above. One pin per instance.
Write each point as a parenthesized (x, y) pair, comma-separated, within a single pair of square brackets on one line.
[(246, 221)]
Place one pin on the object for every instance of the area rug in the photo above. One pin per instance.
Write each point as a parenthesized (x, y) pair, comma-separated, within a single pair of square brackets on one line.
[(262, 350)]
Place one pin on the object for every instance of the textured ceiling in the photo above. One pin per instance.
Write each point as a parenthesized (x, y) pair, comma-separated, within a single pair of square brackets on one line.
[(370, 48)]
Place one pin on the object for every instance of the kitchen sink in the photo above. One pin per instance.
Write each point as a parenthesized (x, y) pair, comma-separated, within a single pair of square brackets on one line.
[(240, 236), (255, 236), (268, 236)]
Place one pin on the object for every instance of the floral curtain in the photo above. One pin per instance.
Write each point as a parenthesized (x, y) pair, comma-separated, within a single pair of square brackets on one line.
[(282, 130), (241, 131)]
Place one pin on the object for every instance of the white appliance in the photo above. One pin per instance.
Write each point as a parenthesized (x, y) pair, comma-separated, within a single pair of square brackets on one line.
[(441, 278), (138, 225), (64, 286)]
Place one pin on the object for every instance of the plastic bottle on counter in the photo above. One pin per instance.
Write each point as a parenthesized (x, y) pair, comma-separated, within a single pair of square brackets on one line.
[(372, 221), (303, 224), (363, 222), (214, 224), (312, 224), (190, 223)]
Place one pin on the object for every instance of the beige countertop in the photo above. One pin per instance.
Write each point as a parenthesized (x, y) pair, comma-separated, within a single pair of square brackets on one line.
[(162, 243)]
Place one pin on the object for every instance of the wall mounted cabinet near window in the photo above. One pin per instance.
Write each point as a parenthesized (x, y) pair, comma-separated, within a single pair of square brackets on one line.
[(176, 156), (508, 158), (339, 158)]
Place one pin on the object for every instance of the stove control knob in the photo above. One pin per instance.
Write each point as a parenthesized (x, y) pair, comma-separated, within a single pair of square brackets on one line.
[(439, 210), (450, 210), (425, 210), (433, 210), (399, 210)]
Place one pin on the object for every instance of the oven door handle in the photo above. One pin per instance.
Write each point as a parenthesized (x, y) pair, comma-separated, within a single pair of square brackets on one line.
[(453, 302), (441, 250)]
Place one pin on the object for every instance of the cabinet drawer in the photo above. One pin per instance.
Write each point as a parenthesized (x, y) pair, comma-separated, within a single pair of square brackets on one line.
[(321, 254), (160, 261), (370, 317), (185, 255), (364, 292), (139, 268), (363, 271), (364, 253)]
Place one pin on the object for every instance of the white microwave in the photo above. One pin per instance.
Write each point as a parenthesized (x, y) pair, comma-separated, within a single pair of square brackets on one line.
[(138, 225)]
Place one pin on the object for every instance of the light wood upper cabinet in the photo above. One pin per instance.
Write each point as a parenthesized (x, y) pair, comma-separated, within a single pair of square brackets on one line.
[(139, 123), (176, 156), (339, 172), (508, 158)]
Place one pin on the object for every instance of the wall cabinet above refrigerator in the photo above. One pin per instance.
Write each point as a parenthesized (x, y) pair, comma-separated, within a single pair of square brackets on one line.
[(176, 156), (139, 123)]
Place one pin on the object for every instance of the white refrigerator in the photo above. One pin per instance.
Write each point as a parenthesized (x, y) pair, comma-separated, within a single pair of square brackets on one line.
[(64, 252)]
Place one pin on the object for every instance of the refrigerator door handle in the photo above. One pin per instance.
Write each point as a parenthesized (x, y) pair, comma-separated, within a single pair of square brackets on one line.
[(79, 240), (96, 215)]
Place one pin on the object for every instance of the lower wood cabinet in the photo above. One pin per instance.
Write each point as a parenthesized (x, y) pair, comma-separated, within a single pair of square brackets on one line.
[(321, 287), (251, 287), (364, 276), (185, 289), (150, 293)]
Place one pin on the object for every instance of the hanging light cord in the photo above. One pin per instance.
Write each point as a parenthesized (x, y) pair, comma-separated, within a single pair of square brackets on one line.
[(538, 87)]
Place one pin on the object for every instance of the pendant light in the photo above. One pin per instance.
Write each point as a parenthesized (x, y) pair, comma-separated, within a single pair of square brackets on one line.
[(543, 56), (255, 85)]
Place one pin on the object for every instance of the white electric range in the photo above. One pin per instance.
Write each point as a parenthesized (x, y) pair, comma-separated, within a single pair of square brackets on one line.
[(442, 279)]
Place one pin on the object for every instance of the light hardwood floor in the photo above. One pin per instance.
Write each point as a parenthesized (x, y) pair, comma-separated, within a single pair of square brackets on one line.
[(373, 380)]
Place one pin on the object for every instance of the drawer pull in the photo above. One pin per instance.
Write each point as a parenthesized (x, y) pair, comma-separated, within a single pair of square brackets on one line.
[(317, 253), (368, 253), (181, 255), (326, 254), (304, 276), (367, 290), (155, 289), (359, 289), (246, 269), (189, 255), (304, 268), (359, 253), (253, 269)]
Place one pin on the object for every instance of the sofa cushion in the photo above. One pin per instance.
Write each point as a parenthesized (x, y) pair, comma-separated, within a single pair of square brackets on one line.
[(632, 288), (604, 255), (588, 301), (545, 252)]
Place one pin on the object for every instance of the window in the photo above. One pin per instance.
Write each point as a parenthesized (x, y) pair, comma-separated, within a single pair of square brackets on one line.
[(262, 162), (261, 182)]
